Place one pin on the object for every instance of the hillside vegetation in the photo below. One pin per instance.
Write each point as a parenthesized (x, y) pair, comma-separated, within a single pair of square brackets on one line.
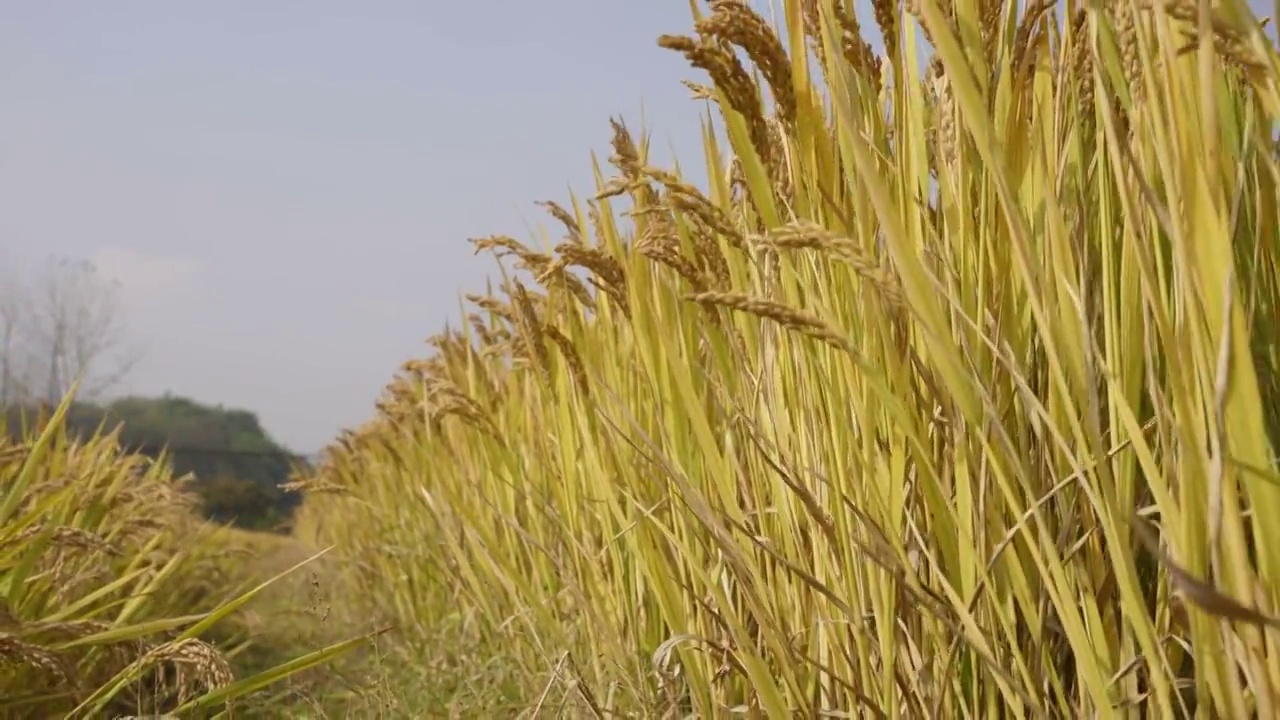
[(236, 467), (953, 394)]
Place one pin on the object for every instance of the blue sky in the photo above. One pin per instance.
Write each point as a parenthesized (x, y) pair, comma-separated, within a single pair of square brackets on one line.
[(285, 188)]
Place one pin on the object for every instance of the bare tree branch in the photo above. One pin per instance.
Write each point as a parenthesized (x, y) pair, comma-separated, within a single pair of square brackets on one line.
[(64, 325), (11, 312)]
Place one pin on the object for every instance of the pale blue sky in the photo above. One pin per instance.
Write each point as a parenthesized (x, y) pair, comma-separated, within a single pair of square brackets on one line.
[(285, 188)]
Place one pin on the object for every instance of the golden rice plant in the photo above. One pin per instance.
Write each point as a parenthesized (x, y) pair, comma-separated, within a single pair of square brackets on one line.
[(953, 394), (110, 587)]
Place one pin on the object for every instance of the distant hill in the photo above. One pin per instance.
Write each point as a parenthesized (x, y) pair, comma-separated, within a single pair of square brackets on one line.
[(238, 467)]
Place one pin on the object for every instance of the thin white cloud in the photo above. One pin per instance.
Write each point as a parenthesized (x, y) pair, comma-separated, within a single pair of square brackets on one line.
[(143, 277)]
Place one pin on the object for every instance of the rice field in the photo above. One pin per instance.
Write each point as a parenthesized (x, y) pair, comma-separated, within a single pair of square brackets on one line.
[(953, 392), (115, 599)]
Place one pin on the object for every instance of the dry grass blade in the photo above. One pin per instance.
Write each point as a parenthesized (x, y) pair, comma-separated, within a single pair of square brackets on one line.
[(1198, 592)]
